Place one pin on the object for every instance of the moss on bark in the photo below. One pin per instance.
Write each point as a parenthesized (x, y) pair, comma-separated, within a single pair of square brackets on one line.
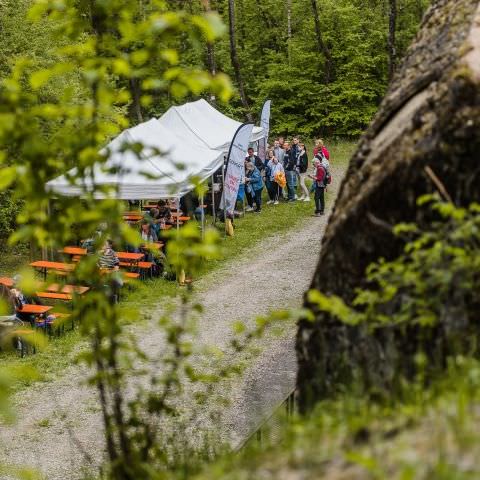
[(430, 117)]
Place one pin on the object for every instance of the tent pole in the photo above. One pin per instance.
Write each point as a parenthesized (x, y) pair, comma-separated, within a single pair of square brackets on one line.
[(224, 202), (213, 199), (178, 212), (203, 216)]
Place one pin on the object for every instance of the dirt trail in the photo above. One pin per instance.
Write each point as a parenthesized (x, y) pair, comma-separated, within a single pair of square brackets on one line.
[(52, 415)]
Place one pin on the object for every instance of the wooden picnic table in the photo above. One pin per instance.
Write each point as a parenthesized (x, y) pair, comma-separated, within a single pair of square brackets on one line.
[(132, 218), (74, 251), (78, 289), (68, 267), (6, 281), (58, 266), (130, 257), (54, 296), (34, 309), (153, 246), (181, 217)]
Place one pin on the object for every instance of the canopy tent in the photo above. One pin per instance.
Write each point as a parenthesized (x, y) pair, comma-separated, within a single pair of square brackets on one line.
[(152, 176), (206, 125)]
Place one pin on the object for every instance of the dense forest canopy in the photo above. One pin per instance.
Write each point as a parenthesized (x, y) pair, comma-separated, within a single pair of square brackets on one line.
[(324, 63)]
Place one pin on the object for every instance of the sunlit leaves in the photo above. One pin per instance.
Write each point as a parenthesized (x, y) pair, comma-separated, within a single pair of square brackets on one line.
[(436, 275)]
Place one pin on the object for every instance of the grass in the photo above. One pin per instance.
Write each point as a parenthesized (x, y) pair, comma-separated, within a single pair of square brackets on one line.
[(426, 434), (249, 231)]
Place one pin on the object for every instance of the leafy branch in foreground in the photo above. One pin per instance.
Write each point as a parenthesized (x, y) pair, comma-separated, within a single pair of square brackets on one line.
[(418, 309)]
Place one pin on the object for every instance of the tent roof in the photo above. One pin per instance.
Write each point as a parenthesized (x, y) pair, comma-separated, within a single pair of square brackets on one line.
[(134, 176), (208, 126)]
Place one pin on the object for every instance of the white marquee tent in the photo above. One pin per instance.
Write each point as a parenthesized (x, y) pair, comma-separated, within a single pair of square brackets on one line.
[(205, 124), (153, 175), (194, 135)]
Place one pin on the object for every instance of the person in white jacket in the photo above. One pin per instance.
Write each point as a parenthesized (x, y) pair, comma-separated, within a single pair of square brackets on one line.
[(274, 167)]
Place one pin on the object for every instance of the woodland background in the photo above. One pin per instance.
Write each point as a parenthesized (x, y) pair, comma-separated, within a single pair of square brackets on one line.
[(325, 64)]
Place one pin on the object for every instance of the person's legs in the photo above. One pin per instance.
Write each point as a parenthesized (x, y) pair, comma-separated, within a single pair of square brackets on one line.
[(303, 186), (258, 199), (320, 200), (249, 200), (277, 191), (291, 184), (269, 186), (298, 182)]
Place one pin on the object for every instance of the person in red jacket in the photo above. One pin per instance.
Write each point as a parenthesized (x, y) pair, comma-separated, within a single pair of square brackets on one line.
[(319, 179), (321, 148)]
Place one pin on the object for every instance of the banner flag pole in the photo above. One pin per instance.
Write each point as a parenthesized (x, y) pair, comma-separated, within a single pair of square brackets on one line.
[(234, 169), (265, 124)]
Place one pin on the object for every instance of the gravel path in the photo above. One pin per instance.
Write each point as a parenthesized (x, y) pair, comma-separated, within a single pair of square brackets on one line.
[(60, 420)]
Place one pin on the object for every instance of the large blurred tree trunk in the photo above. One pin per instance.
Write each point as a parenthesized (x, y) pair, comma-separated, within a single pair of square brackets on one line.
[(430, 117)]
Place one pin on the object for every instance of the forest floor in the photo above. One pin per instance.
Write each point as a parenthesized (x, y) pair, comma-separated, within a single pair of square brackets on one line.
[(60, 420)]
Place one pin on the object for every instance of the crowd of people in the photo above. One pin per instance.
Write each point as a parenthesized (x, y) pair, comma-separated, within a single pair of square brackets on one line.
[(284, 173)]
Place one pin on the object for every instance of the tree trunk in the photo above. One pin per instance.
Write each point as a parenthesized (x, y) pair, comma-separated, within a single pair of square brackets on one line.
[(430, 117), (391, 43), (289, 28), (211, 63), (135, 106), (234, 57), (322, 47)]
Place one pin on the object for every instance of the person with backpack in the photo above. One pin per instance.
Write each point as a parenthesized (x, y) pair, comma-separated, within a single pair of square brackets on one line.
[(320, 179), (301, 170)]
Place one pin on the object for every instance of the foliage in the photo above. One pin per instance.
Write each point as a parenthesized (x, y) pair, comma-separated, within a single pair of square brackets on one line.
[(293, 72), (418, 309), (431, 433)]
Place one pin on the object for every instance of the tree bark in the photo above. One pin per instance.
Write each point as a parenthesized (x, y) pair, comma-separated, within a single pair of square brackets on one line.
[(289, 28), (391, 43), (430, 117), (322, 47), (211, 63), (234, 58), (135, 106)]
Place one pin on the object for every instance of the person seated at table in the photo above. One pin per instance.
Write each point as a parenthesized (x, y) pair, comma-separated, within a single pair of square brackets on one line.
[(108, 259), (163, 212), (20, 299), (146, 232)]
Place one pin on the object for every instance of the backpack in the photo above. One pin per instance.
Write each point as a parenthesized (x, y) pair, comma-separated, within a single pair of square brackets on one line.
[(328, 177)]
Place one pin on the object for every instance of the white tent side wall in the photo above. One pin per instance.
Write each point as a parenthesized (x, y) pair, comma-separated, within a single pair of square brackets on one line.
[(153, 176)]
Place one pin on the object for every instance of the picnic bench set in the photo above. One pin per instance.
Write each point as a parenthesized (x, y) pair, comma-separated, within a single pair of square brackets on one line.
[(133, 266)]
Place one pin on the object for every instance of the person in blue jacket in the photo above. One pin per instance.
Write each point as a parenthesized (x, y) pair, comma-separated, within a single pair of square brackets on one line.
[(254, 184)]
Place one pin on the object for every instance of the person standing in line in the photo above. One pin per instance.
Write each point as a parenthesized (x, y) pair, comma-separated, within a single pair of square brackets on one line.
[(321, 149), (254, 184), (301, 171), (319, 178), (268, 182), (278, 151), (255, 159), (275, 168), (289, 164), (295, 147)]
